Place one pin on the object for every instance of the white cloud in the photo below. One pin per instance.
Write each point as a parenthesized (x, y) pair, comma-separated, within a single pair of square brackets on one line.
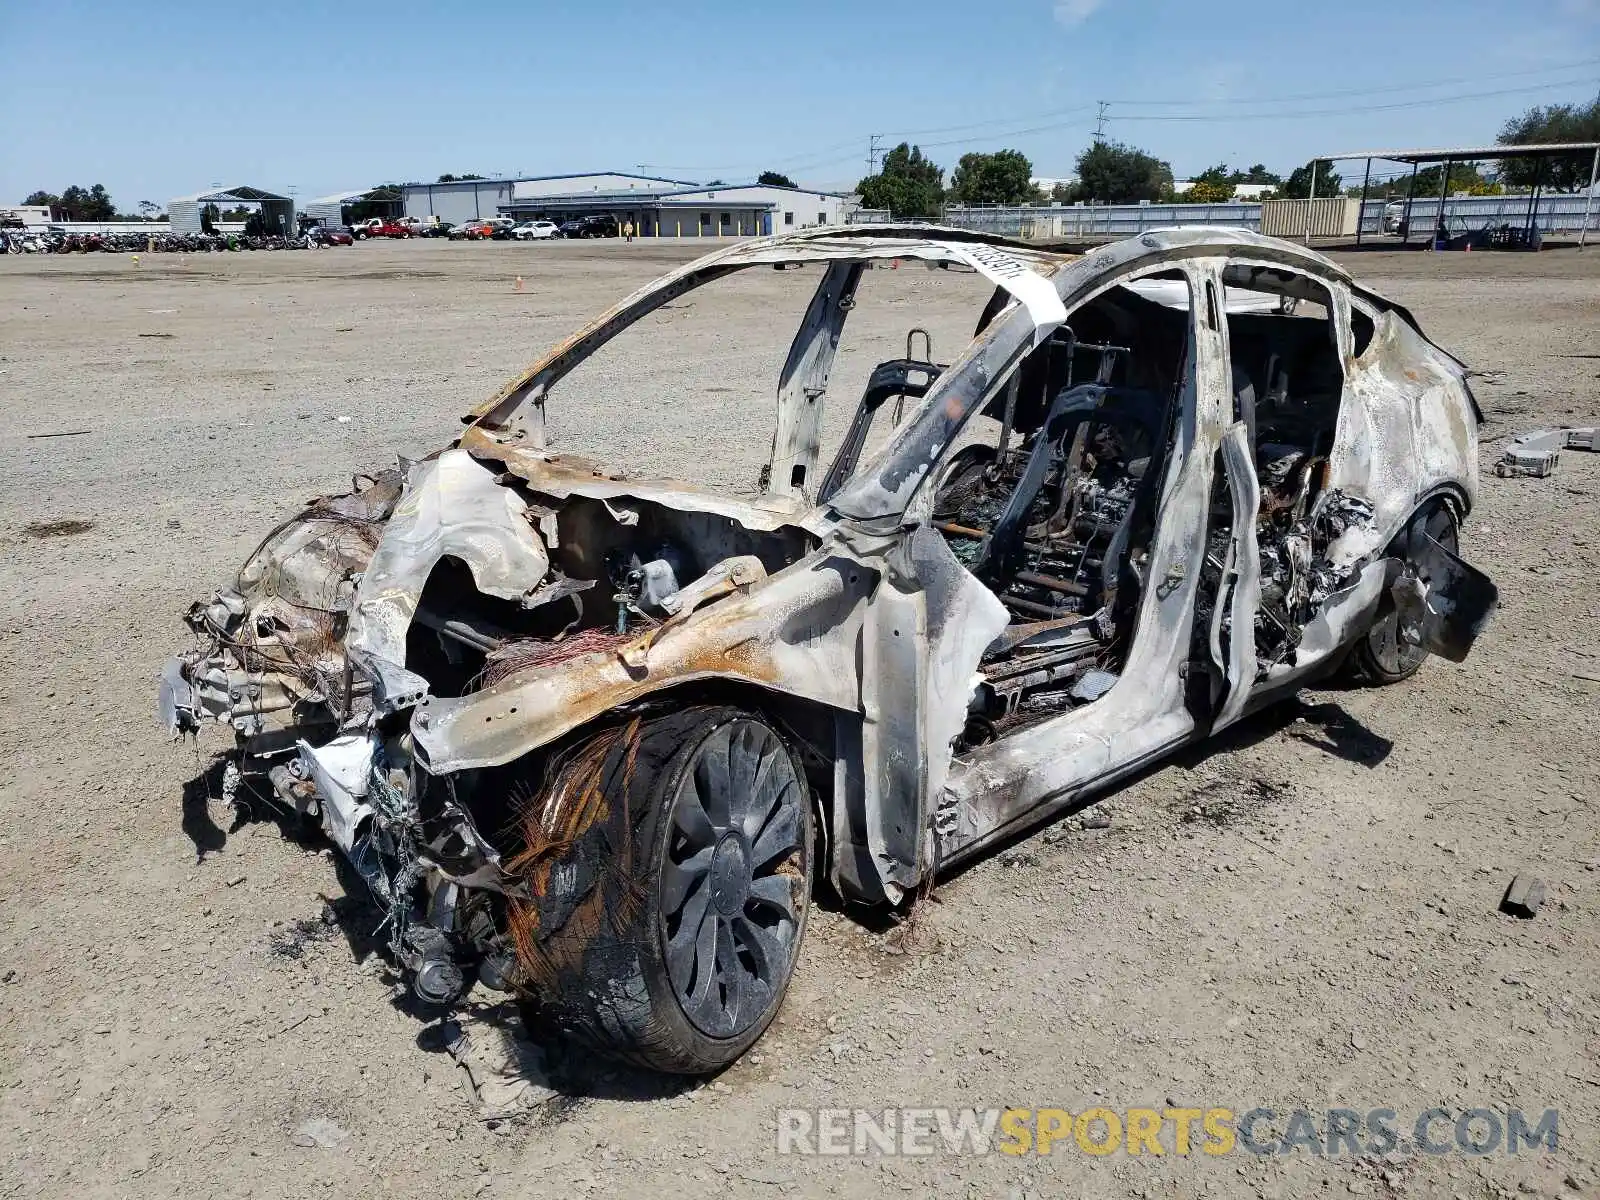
[(1072, 13)]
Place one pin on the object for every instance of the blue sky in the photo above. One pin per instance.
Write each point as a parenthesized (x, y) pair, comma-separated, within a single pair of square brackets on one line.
[(157, 100)]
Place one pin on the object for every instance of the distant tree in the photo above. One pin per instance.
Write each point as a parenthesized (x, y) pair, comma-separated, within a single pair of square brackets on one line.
[(1112, 173), (1464, 177), (450, 179), (149, 210), (1298, 185), (1004, 177), (1212, 186), (1205, 191), (775, 179), (1257, 173), (88, 204), (1065, 193), (43, 200), (908, 185), (1557, 123), (716, 183)]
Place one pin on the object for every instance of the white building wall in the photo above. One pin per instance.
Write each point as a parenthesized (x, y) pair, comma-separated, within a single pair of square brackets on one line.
[(31, 215), (457, 202), (705, 219), (792, 208)]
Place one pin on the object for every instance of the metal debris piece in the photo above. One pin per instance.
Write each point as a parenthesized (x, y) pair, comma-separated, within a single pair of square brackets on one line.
[(1537, 454), (1524, 897), (1587, 438)]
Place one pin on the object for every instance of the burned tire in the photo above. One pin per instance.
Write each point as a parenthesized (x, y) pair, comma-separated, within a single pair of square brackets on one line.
[(1380, 657), (669, 864)]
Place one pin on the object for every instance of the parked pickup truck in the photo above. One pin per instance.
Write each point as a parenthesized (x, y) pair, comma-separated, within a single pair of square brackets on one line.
[(382, 227)]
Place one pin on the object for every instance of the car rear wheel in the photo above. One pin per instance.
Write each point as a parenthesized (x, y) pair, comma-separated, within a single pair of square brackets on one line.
[(666, 932), (1381, 656)]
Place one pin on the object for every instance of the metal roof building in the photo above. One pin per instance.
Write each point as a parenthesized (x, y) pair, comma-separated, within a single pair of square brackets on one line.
[(462, 200), (277, 212), (657, 207)]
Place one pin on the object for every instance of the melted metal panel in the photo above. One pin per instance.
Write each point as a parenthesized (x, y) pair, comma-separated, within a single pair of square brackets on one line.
[(453, 507)]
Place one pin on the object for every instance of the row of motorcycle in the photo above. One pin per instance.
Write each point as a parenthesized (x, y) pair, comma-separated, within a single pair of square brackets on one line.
[(26, 241)]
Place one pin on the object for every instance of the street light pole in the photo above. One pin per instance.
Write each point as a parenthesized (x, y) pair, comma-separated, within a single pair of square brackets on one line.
[(1588, 200), (1311, 200)]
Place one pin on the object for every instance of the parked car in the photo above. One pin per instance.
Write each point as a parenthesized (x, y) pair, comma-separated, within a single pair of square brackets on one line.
[(599, 225), (471, 231), (388, 227), (331, 235), (536, 231), (436, 228), (590, 736)]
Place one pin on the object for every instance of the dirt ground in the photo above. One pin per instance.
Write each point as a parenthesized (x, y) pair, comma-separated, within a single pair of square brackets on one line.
[(1304, 916)]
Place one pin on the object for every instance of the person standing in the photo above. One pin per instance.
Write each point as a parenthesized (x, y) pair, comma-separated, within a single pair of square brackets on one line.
[(627, 230)]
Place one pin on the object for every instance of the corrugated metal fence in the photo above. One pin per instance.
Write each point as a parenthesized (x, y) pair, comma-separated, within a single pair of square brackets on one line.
[(1097, 221), (1557, 214)]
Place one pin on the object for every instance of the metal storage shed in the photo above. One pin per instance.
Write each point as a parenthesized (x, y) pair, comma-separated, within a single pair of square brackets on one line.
[(335, 209), (277, 212)]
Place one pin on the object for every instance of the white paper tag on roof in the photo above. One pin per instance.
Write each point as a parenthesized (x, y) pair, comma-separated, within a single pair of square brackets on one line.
[(1036, 293)]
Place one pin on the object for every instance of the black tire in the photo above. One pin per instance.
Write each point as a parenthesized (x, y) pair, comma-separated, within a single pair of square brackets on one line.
[(1379, 658), (701, 817)]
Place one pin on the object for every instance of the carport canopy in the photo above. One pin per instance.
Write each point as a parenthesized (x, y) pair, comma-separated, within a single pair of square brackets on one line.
[(346, 208), (1541, 151), (277, 211)]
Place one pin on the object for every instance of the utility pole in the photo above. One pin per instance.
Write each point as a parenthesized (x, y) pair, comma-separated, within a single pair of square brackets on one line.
[(874, 150), (1100, 120)]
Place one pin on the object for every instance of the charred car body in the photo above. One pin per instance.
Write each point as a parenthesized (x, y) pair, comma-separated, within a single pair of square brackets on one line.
[(583, 735)]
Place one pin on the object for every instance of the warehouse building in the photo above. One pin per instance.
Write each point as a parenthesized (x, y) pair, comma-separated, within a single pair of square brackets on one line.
[(656, 207)]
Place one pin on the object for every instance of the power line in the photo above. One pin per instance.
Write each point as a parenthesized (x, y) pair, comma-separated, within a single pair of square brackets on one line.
[(1371, 91), (1339, 112), (1062, 118)]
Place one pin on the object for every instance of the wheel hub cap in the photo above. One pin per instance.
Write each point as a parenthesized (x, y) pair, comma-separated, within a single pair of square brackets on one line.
[(730, 875)]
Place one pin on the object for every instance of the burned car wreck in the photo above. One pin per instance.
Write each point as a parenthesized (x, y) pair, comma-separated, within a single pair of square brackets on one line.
[(590, 738)]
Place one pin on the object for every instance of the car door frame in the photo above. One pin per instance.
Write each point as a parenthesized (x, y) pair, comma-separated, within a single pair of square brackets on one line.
[(990, 790)]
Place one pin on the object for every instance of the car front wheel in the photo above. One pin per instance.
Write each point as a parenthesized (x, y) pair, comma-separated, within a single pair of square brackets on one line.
[(665, 932)]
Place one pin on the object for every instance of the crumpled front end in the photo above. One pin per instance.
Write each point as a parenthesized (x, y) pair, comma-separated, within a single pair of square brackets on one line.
[(269, 659), (426, 586)]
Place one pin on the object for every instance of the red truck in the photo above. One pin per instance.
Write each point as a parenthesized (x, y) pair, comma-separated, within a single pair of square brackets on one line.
[(381, 227)]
